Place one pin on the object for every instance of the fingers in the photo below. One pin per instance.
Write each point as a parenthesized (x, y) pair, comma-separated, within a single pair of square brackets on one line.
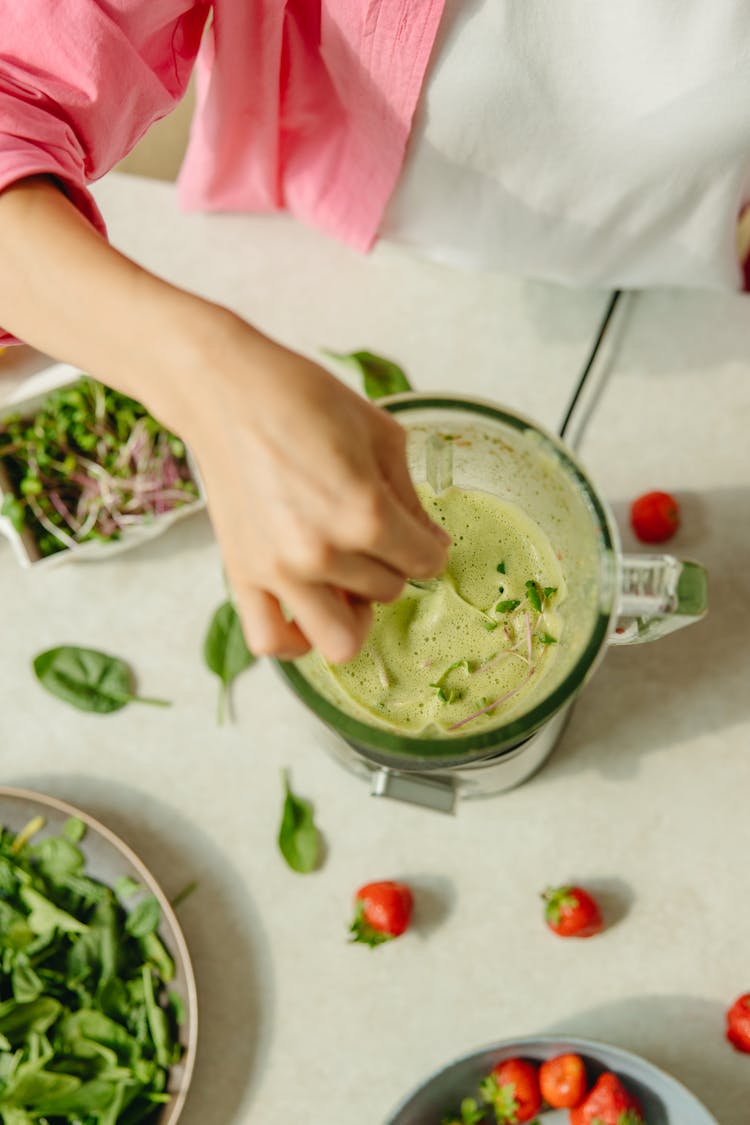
[(333, 622), (266, 630), (360, 575), (324, 617), (378, 525), (412, 541)]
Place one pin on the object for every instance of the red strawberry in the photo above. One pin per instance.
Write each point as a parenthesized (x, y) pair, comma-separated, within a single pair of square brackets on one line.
[(738, 1024), (655, 517), (383, 911), (608, 1103), (572, 912), (512, 1089), (563, 1081)]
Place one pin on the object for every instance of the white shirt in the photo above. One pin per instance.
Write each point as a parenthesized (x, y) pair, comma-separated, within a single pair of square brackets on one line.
[(597, 142)]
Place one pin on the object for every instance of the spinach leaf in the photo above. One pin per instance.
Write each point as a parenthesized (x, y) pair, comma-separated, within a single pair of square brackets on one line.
[(46, 916), (88, 679), (225, 651), (381, 376), (25, 983), (299, 839), (74, 830), (126, 887), (144, 918)]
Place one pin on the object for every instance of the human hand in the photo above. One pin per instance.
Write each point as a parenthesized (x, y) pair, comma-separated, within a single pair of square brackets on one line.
[(310, 497)]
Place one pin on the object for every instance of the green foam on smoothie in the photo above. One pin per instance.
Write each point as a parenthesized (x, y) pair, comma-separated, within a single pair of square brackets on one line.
[(487, 630)]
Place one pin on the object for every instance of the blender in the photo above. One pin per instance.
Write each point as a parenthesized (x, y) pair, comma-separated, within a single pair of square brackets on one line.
[(611, 599)]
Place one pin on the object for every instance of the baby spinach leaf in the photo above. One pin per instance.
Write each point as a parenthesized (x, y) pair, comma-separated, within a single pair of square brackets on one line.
[(144, 918), (157, 1020), (225, 651), (126, 887), (46, 916), (177, 1007), (25, 983), (381, 376), (17, 1020), (299, 839), (88, 679), (74, 830), (154, 952)]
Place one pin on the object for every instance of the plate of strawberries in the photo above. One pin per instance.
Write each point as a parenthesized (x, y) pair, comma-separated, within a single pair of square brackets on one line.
[(551, 1081)]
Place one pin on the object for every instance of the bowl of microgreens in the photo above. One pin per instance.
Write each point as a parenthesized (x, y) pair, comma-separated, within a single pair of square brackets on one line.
[(98, 1016), (85, 470)]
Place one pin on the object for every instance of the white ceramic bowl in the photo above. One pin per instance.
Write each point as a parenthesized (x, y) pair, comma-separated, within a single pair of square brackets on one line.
[(665, 1101)]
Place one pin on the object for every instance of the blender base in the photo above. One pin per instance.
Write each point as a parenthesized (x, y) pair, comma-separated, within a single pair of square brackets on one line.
[(440, 790)]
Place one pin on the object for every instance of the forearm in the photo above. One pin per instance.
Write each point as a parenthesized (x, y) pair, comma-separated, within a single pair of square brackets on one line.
[(64, 290)]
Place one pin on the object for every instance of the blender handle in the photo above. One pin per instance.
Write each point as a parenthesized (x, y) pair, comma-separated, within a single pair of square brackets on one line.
[(658, 594)]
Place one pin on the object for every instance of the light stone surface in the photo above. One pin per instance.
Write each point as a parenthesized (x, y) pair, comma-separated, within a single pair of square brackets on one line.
[(646, 799)]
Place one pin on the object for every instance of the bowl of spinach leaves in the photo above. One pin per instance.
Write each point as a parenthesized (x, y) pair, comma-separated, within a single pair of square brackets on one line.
[(98, 1015)]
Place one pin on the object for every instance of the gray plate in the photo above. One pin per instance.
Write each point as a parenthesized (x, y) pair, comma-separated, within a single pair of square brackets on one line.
[(665, 1101), (107, 858)]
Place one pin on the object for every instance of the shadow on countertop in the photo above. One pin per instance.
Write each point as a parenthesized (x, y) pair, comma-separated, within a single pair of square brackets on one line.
[(693, 1051), (665, 694), (223, 930)]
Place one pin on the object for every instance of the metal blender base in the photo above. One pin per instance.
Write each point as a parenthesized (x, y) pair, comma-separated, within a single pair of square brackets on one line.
[(440, 789)]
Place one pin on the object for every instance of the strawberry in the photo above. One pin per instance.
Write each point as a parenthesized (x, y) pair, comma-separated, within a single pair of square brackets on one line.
[(655, 517), (382, 911), (572, 912), (512, 1090), (563, 1081), (608, 1103), (738, 1024)]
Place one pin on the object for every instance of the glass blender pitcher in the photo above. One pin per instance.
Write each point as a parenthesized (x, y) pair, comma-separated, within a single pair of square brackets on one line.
[(611, 599)]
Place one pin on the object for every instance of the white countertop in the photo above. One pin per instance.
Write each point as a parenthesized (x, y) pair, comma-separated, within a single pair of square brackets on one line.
[(647, 798)]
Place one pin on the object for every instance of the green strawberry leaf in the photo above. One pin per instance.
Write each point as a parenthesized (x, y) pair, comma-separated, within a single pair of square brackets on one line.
[(363, 932)]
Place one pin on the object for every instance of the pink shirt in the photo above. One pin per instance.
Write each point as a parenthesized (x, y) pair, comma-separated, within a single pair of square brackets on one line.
[(303, 105)]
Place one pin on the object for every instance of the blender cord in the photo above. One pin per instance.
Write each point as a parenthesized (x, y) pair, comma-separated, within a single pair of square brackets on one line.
[(600, 337)]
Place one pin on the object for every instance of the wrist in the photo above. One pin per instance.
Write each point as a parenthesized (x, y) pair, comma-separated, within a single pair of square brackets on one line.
[(181, 355)]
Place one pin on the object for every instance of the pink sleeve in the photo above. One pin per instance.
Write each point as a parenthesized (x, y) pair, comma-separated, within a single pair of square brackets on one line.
[(82, 80)]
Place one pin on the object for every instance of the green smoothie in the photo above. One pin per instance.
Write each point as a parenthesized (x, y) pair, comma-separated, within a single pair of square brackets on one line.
[(458, 654)]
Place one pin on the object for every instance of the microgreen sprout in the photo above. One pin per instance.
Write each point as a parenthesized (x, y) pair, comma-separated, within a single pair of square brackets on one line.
[(534, 596), (507, 606)]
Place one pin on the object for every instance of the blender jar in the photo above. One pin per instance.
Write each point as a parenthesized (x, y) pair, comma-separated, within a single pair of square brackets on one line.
[(609, 599)]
